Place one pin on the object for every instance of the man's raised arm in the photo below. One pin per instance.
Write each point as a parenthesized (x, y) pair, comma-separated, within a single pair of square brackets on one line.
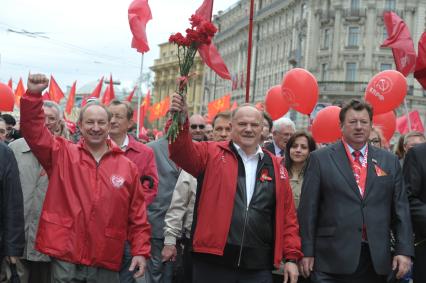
[(32, 126)]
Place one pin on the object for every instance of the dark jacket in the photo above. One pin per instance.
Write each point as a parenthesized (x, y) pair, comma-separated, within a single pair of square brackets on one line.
[(168, 174), (332, 211), (12, 235), (415, 181)]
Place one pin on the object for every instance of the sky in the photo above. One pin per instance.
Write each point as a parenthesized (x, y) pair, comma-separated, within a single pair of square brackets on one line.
[(84, 40)]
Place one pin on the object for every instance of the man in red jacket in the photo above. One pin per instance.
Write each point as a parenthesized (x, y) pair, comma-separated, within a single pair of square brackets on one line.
[(94, 200), (244, 220), (141, 155)]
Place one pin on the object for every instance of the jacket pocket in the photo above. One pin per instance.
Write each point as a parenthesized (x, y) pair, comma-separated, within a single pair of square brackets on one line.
[(55, 233), (114, 245), (326, 231)]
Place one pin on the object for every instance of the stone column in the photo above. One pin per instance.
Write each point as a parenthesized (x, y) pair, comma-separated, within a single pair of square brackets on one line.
[(338, 31)]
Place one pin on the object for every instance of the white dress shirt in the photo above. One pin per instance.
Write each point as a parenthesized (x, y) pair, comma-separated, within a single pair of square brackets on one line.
[(250, 166)]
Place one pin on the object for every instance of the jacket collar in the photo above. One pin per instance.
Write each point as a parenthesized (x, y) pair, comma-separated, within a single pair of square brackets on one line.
[(113, 148), (340, 158), (133, 144)]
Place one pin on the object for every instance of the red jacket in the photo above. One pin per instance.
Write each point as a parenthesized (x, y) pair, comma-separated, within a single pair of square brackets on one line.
[(216, 201), (143, 157), (90, 209)]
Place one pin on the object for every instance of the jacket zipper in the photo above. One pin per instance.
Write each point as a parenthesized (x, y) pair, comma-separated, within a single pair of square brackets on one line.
[(242, 238)]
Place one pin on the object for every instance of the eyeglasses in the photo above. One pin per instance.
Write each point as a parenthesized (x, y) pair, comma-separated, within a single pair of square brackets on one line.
[(375, 141), (201, 127)]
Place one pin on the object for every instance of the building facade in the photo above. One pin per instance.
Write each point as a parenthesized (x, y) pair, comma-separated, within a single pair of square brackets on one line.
[(338, 41), (166, 69)]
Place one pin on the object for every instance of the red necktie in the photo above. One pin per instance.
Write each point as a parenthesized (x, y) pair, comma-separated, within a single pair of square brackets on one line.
[(357, 174), (357, 168)]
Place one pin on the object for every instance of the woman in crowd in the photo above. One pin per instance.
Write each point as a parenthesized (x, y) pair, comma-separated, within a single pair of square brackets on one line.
[(298, 148), (376, 137)]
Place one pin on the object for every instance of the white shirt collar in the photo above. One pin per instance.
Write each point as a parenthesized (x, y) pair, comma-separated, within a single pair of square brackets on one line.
[(277, 149), (362, 150), (125, 143), (259, 152)]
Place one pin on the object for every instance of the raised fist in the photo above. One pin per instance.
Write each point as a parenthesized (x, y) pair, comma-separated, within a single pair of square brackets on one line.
[(37, 83)]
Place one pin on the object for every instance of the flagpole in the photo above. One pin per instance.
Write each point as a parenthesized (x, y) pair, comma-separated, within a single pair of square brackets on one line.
[(407, 114), (139, 97), (249, 50)]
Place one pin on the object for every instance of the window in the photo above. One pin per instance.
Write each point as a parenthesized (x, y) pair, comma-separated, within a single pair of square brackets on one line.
[(390, 5), (353, 36), (324, 72), (304, 11), (326, 39), (350, 72), (385, 66), (354, 4)]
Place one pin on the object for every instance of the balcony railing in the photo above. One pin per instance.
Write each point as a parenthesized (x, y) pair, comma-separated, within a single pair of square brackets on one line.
[(342, 88), (355, 13)]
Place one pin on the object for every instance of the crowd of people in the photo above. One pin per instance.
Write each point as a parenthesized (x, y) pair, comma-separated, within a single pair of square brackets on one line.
[(240, 198)]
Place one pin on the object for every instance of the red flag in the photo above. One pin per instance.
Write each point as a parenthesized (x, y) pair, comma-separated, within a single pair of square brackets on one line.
[(109, 92), (219, 105), (45, 96), (416, 123), (205, 10), (399, 39), (72, 127), (234, 106), (19, 92), (139, 14), (147, 101), (97, 91), (159, 109), (55, 92), (71, 98), (209, 53), (143, 110), (420, 72), (9, 83), (130, 97)]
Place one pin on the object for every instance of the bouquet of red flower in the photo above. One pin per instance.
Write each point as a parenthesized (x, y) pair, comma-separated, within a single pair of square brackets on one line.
[(201, 32)]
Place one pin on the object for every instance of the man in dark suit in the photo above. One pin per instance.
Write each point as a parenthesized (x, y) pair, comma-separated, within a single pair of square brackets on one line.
[(415, 181), (352, 197)]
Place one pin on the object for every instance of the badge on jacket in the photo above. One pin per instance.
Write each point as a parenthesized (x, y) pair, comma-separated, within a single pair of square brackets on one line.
[(379, 171), (117, 181)]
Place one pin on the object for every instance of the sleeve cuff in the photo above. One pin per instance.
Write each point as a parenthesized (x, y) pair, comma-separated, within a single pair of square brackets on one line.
[(170, 241)]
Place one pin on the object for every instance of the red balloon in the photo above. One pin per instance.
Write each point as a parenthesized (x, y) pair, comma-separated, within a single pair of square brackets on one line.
[(386, 91), (301, 89), (386, 123), (326, 125), (7, 98), (275, 103)]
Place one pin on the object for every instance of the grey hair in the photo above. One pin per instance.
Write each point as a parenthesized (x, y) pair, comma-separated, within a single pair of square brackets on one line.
[(283, 122), (413, 134), (52, 104)]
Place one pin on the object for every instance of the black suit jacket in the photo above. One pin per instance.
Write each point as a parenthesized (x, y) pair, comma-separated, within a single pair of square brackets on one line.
[(332, 211), (415, 180), (12, 234)]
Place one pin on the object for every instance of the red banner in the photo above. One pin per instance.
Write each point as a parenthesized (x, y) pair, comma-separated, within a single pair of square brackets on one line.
[(219, 105), (416, 123)]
